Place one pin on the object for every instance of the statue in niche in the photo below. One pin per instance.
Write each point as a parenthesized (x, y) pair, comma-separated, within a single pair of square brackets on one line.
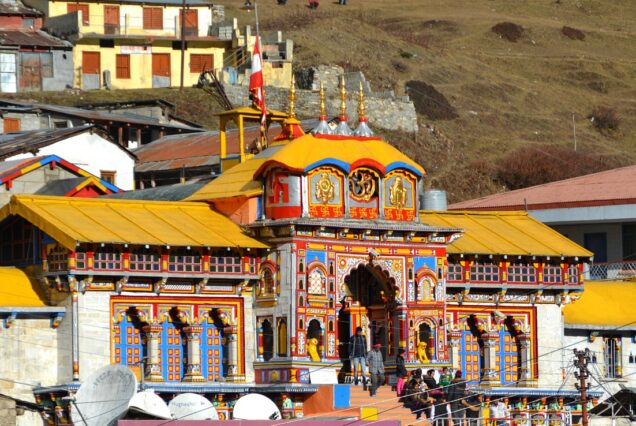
[(312, 349), (397, 193), (422, 356), (325, 189)]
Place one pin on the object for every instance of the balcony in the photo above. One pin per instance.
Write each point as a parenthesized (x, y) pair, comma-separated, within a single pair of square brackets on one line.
[(611, 271)]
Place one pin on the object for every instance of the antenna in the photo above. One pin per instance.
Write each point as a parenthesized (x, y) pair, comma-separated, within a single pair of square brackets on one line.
[(255, 406), (147, 402), (192, 406), (103, 397)]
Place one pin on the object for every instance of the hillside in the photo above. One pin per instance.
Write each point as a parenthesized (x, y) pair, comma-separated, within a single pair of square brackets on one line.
[(507, 96), (493, 113)]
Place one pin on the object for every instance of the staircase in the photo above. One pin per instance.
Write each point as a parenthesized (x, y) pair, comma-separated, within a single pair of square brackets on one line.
[(387, 404)]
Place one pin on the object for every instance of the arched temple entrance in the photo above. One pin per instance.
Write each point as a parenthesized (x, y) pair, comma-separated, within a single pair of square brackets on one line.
[(368, 302)]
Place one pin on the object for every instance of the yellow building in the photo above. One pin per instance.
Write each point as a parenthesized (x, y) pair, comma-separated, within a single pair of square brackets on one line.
[(133, 44)]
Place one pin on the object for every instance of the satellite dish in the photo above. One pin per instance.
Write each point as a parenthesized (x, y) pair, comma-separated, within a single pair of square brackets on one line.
[(147, 402), (191, 406), (103, 397), (255, 406)]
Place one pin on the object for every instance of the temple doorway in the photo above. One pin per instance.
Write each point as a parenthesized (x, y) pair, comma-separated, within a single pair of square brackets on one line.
[(368, 303)]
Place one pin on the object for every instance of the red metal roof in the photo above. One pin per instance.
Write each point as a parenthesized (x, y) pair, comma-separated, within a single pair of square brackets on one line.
[(611, 187)]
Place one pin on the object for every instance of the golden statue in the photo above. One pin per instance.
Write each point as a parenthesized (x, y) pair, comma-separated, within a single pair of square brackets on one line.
[(421, 352), (312, 349), (325, 189), (397, 193)]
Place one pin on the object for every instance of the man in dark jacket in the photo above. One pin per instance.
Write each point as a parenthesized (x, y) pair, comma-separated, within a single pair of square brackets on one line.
[(358, 355)]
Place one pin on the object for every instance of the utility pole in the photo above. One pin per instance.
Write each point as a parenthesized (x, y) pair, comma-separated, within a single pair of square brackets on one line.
[(581, 361)]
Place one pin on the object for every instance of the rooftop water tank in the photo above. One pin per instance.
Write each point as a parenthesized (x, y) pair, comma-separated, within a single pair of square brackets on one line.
[(433, 199)]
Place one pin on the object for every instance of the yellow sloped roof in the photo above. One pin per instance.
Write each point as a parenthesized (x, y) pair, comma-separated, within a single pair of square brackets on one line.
[(235, 182), (346, 152), (511, 233), (18, 289), (99, 220), (604, 303)]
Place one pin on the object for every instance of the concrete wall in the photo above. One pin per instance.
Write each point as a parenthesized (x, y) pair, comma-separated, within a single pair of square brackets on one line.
[(7, 412), (384, 113), (94, 332), (62, 71), (32, 182), (550, 356), (93, 153), (614, 236), (579, 339), (141, 63)]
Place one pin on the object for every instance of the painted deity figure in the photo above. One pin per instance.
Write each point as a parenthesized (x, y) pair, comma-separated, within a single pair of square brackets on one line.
[(397, 193), (324, 189), (312, 349), (422, 356)]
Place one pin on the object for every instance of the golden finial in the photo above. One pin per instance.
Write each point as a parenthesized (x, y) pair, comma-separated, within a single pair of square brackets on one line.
[(292, 97), (323, 110), (361, 115), (343, 97)]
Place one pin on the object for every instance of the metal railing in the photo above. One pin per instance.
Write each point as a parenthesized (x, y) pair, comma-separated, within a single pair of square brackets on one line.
[(611, 271)]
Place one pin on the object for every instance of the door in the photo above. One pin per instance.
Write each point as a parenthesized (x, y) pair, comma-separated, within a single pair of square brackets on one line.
[(30, 71), (111, 19), (191, 22), (160, 70), (11, 125), (90, 70), (596, 242), (8, 73)]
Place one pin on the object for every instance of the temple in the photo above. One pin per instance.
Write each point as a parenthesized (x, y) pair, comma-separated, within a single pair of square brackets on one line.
[(257, 281)]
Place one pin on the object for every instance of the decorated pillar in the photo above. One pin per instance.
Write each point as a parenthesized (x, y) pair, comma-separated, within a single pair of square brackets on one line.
[(73, 288), (193, 369), (260, 344), (153, 363), (454, 338), (490, 373), (233, 355), (525, 375)]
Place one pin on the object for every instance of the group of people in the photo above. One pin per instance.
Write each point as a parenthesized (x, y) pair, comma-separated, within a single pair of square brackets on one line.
[(371, 361)]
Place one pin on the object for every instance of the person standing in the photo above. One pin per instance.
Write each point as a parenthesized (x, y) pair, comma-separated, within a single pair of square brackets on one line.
[(456, 394), (358, 355), (473, 404), (376, 368), (400, 371)]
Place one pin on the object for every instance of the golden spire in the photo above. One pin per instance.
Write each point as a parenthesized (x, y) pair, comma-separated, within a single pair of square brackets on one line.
[(343, 98), (361, 114), (323, 109), (292, 97)]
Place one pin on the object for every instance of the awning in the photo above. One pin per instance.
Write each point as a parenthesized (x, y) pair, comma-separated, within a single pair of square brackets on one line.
[(112, 221), (604, 304), (19, 290)]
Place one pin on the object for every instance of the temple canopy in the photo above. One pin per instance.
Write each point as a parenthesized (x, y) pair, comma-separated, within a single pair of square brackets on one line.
[(73, 220), (503, 233), (18, 289), (603, 305)]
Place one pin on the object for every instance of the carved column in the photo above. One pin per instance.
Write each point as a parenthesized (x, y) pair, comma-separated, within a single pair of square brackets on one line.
[(490, 372), (73, 288), (454, 338), (525, 375), (260, 345), (193, 369), (232, 353), (153, 363)]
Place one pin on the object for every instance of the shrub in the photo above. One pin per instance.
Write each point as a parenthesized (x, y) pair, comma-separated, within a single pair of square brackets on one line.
[(508, 30), (573, 33), (604, 118)]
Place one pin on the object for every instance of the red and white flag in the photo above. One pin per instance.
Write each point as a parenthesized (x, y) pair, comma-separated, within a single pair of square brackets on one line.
[(256, 82)]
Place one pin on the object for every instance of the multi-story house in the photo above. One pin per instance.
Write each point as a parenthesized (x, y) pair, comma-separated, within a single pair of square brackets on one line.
[(134, 44), (30, 59)]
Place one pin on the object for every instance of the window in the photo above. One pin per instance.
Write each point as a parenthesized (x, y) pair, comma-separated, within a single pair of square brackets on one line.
[(522, 273), (552, 274), (17, 242), (268, 282), (316, 282), (200, 63), (145, 261), (455, 272), (612, 357), (484, 272), (184, 263), (28, 22), (108, 176), (225, 264), (573, 274), (107, 260), (8, 75), (80, 260), (57, 259), (123, 66), (11, 125), (46, 63), (153, 18), (83, 8)]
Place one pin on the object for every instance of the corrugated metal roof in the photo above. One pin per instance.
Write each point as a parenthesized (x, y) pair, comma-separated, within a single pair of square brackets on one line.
[(610, 187), (99, 220), (604, 303), (17, 8), (175, 192), (30, 38), (503, 233), (32, 140)]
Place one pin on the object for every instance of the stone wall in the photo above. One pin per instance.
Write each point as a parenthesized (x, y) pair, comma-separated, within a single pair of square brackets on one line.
[(382, 112)]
